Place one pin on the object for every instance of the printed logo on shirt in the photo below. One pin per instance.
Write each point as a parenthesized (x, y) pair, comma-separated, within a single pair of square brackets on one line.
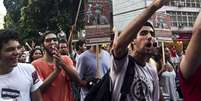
[(35, 77), (8, 99), (140, 89), (7, 93)]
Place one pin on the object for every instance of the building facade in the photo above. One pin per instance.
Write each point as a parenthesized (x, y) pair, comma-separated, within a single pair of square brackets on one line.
[(182, 12), (125, 10)]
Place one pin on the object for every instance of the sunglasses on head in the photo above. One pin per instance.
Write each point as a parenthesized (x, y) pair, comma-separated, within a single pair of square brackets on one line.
[(51, 39), (154, 44), (62, 47)]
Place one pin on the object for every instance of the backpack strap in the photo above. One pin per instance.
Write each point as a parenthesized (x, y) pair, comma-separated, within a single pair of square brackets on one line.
[(128, 79), (74, 56)]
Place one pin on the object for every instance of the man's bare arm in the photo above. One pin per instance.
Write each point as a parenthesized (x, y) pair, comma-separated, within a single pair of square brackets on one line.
[(48, 81), (192, 59), (73, 74)]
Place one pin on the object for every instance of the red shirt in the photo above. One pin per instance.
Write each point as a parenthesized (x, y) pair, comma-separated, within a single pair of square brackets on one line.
[(60, 88), (192, 88)]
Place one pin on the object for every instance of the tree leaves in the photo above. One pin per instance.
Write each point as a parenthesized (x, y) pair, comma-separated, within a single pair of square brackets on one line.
[(29, 17)]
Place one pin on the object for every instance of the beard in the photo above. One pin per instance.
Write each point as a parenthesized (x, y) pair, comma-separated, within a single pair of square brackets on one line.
[(63, 52), (145, 51), (51, 50), (48, 51)]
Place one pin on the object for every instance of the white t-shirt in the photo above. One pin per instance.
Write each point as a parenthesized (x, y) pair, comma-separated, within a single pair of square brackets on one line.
[(145, 83), (19, 83), (168, 84)]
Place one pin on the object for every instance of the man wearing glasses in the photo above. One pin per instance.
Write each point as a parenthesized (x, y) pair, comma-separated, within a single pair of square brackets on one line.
[(55, 71), (144, 84)]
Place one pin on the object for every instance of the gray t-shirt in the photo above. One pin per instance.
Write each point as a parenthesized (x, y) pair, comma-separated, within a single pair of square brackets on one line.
[(145, 85), (86, 67)]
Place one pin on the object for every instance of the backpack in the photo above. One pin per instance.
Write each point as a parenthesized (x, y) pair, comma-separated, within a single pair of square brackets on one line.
[(102, 91)]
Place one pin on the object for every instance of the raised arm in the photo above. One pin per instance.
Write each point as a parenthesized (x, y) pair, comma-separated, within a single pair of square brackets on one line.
[(131, 30), (192, 59), (116, 34)]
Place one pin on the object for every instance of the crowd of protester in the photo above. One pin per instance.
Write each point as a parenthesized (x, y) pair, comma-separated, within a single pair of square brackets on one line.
[(58, 70)]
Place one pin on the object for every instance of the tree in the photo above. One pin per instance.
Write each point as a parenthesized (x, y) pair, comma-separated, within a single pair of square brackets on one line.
[(13, 13), (29, 17)]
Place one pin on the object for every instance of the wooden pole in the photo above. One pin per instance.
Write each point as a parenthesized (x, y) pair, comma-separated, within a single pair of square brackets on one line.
[(27, 44), (163, 52), (97, 62), (78, 11)]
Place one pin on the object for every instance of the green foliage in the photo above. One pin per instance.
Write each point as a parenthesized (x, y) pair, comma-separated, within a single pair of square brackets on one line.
[(29, 17)]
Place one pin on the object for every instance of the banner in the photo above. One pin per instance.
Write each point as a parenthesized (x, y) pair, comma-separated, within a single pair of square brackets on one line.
[(98, 19)]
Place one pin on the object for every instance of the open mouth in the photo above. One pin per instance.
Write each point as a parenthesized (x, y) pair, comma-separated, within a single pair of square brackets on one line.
[(148, 45), (53, 49)]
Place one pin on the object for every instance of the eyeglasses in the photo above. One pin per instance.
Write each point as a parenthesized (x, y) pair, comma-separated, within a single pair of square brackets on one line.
[(38, 53), (63, 47), (151, 44), (145, 32), (51, 39)]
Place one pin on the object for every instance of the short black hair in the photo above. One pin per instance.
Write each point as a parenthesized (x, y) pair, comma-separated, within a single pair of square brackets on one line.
[(32, 52), (148, 23), (62, 41), (7, 35), (78, 44)]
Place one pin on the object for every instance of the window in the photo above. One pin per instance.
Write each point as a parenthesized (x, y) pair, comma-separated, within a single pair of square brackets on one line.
[(193, 3), (185, 3), (182, 19), (198, 3)]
